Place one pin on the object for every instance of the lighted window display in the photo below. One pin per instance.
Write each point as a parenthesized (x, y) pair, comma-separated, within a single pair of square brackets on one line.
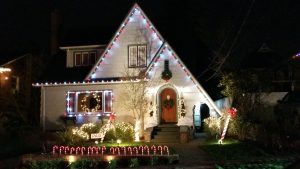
[(89, 102)]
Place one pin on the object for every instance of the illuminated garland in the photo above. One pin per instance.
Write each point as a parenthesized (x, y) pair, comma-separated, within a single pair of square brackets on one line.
[(84, 106)]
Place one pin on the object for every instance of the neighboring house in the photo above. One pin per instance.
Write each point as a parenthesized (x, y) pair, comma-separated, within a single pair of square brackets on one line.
[(282, 71), (16, 93), (136, 47)]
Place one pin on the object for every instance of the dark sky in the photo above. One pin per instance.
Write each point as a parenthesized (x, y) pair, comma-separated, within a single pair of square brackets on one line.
[(25, 24)]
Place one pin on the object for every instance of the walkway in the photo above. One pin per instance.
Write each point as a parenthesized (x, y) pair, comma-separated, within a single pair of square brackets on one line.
[(191, 156)]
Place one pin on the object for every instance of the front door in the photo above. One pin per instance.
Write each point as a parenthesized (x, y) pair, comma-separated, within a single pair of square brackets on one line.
[(168, 102)]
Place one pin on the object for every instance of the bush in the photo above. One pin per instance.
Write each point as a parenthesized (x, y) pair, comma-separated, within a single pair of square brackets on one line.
[(84, 164), (77, 136), (47, 164), (123, 131), (134, 162), (212, 125)]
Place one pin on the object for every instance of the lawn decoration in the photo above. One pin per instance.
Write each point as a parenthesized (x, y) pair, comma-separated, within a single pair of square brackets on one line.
[(181, 107), (231, 114), (142, 150)]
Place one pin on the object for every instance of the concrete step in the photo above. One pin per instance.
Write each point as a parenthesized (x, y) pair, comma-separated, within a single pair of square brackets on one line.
[(165, 140), (175, 129), (173, 136), (166, 125), (167, 133)]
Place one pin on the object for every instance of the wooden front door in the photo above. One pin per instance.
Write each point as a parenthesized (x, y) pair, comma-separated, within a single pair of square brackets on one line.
[(168, 102)]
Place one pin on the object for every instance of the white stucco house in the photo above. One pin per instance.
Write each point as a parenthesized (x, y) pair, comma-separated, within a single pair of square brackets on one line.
[(136, 46)]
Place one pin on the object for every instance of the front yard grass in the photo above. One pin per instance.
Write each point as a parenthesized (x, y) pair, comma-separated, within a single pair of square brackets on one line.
[(234, 154)]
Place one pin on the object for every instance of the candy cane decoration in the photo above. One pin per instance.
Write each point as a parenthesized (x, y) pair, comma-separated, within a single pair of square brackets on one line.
[(77, 150), (103, 149), (82, 150), (154, 149), (118, 150), (142, 149), (136, 150), (124, 150), (112, 150), (231, 114), (130, 150), (61, 148), (54, 148), (95, 149), (166, 148), (159, 148), (90, 150), (147, 149), (66, 149), (72, 149)]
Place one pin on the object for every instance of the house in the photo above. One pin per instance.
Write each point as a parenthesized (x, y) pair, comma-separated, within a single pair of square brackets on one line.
[(17, 98), (138, 49)]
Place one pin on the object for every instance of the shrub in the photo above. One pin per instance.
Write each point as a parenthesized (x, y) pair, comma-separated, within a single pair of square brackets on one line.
[(213, 125), (47, 164), (134, 162), (84, 164), (123, 131), (77, 135), (113, 164)]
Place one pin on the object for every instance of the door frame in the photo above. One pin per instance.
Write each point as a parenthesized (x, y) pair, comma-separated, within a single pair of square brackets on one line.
[(170, 86)]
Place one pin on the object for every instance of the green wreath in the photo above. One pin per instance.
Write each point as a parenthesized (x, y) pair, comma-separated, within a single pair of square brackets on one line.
[(168, 103)]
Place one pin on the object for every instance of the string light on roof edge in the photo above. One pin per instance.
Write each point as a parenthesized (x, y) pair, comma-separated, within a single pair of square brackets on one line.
[(135, 9)]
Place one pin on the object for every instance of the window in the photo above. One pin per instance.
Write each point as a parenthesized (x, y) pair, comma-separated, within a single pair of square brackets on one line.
[(137, 56), (85, 58), (90, 102), (93, 58)]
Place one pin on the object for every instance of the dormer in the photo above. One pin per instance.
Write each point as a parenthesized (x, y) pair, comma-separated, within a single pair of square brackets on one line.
[(82, 56)]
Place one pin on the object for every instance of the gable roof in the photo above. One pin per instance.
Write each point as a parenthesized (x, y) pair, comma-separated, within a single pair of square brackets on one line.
[(135, 8), (159, 54)]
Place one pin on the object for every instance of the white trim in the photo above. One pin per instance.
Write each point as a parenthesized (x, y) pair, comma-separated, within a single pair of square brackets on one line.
[(81, 47), (86, 83)]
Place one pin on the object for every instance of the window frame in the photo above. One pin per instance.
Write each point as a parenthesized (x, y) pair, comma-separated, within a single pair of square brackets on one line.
[(73, 102), (82, 59), (137, 56)]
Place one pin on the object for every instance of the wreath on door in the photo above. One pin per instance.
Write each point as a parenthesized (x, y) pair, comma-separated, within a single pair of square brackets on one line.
[(168, 103)]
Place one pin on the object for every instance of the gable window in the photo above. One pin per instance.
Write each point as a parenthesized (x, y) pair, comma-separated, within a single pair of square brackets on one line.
[(85, 58), (89, 102), (137, 56)]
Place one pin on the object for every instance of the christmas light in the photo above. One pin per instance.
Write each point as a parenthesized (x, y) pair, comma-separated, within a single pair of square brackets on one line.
[(231, 114), (3, 69), (136, 13)]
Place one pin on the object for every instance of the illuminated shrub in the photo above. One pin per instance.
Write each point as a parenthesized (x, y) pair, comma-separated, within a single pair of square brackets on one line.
[(123, 131)]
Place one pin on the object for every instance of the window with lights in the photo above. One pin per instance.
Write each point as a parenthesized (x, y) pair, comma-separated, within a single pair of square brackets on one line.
[(89, 102)]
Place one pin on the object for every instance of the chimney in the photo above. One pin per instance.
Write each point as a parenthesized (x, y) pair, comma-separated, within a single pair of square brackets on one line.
[(55, 23)]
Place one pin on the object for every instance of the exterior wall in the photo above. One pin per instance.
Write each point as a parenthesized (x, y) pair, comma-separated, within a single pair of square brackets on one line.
[(53, 104), (135, 32), (182, 84)]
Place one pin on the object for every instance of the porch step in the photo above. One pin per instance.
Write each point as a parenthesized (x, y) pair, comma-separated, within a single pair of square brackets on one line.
[(166, 133)]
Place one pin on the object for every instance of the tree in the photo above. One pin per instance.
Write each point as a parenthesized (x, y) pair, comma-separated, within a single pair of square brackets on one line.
[(133, 97)]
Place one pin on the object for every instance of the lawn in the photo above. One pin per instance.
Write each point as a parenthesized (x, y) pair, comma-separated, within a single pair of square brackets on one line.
[(233, 154)]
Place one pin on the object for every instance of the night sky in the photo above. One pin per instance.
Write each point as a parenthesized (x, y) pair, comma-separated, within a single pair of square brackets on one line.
[(25, 24)]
